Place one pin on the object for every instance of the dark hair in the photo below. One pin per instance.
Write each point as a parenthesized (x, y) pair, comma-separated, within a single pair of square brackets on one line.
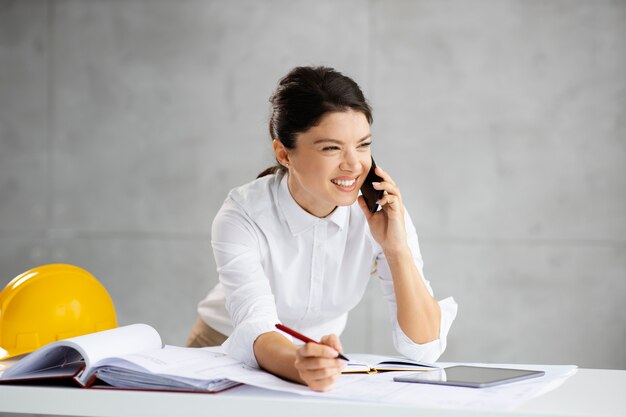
[(303, 97)]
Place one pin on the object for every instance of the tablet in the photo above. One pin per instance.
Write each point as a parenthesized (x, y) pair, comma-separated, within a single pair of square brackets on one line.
[(470, 376)]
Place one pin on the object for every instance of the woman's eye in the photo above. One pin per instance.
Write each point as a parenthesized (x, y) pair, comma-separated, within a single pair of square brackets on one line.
[(366, 144), (330, 148)]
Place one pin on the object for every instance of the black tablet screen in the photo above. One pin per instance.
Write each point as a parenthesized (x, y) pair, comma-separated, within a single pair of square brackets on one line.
[(480, 375), (470, 376)]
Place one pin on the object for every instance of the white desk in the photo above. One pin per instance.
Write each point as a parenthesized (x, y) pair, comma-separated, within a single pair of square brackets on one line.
[(590, 392)]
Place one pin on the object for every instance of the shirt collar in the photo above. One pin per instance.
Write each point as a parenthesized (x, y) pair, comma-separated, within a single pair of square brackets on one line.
[(299, 219)]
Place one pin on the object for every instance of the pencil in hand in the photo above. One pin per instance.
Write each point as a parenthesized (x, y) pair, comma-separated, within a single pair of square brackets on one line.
[(304, 339)]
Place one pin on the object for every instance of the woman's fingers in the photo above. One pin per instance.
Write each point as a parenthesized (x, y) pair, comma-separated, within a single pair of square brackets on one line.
[(391, 195), (318, 365), (321, 372), (317, 350), (315, 363), (333, 341), (387, 187), (390, 200), (383, 174), (318, 376), (313, 356)]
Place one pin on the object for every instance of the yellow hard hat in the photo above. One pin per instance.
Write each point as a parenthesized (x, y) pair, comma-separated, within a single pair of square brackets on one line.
[(49, 303)]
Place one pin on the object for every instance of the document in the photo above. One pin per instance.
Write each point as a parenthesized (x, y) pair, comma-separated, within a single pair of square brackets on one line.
[(380, 388), (126, 357)]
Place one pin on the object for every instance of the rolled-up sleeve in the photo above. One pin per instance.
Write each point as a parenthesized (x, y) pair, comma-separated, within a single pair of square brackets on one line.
[(426, 352), (249, 298)]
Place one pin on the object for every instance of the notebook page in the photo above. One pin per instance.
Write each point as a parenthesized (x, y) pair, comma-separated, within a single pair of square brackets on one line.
[(65, 357)]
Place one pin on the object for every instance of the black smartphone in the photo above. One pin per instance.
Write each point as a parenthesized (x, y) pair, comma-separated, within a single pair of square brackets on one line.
[(370, 194)]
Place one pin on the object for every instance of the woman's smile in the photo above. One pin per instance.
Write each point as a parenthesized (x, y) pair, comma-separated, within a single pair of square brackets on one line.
[(345, 184)]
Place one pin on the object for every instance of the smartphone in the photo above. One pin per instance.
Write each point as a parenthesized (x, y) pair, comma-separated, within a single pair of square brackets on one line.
[(370, 194)]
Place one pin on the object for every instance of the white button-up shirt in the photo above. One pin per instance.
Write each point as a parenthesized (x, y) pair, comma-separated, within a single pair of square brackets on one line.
[(279, 264)]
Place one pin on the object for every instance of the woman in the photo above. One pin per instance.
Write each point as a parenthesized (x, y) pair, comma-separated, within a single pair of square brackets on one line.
[(298, 245)]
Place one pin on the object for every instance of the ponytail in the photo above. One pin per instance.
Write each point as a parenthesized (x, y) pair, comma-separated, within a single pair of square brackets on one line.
[(272, 170)]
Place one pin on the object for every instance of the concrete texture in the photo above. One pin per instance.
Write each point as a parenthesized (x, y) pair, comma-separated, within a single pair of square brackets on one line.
[(124, 124)]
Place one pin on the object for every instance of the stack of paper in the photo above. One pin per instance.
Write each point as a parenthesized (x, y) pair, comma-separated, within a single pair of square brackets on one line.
[(170, 368), (381, 388)]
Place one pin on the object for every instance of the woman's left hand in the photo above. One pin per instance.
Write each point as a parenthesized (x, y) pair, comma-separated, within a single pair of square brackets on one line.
[(387, 225)]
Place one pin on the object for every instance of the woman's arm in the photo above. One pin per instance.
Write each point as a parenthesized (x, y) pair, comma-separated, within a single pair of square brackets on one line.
[(312, 364), (419, 315)]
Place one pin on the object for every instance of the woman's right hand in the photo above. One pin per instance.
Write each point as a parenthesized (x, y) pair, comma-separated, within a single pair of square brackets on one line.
[(318, 364)]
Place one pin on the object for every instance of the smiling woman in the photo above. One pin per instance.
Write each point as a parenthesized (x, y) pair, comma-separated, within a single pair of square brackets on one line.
[(297, 245), (325, 173)]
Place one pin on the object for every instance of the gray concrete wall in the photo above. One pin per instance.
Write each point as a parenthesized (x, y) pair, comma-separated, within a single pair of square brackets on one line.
[(124, 124)]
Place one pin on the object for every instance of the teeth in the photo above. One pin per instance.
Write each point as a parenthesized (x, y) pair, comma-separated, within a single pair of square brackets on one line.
[(344, 183)]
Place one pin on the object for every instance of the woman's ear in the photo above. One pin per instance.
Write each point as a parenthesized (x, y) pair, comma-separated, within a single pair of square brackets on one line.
[(282, 156)]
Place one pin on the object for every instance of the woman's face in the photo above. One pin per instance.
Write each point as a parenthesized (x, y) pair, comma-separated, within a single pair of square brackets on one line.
[(330, 162)]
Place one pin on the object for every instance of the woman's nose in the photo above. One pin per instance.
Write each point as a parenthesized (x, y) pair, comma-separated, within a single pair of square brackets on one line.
[(350, 162)]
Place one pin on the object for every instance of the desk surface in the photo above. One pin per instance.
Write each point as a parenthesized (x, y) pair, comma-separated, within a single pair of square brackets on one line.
[(590, 392)]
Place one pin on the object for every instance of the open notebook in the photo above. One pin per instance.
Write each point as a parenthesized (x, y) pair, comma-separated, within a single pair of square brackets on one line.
[(371, 364), (130, 357)]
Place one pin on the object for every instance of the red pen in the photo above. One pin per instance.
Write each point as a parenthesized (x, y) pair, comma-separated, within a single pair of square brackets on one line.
[(304, 338)]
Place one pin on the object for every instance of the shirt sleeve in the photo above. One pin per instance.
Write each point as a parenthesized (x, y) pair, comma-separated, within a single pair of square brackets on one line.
[(249, 298), (427, 352)]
